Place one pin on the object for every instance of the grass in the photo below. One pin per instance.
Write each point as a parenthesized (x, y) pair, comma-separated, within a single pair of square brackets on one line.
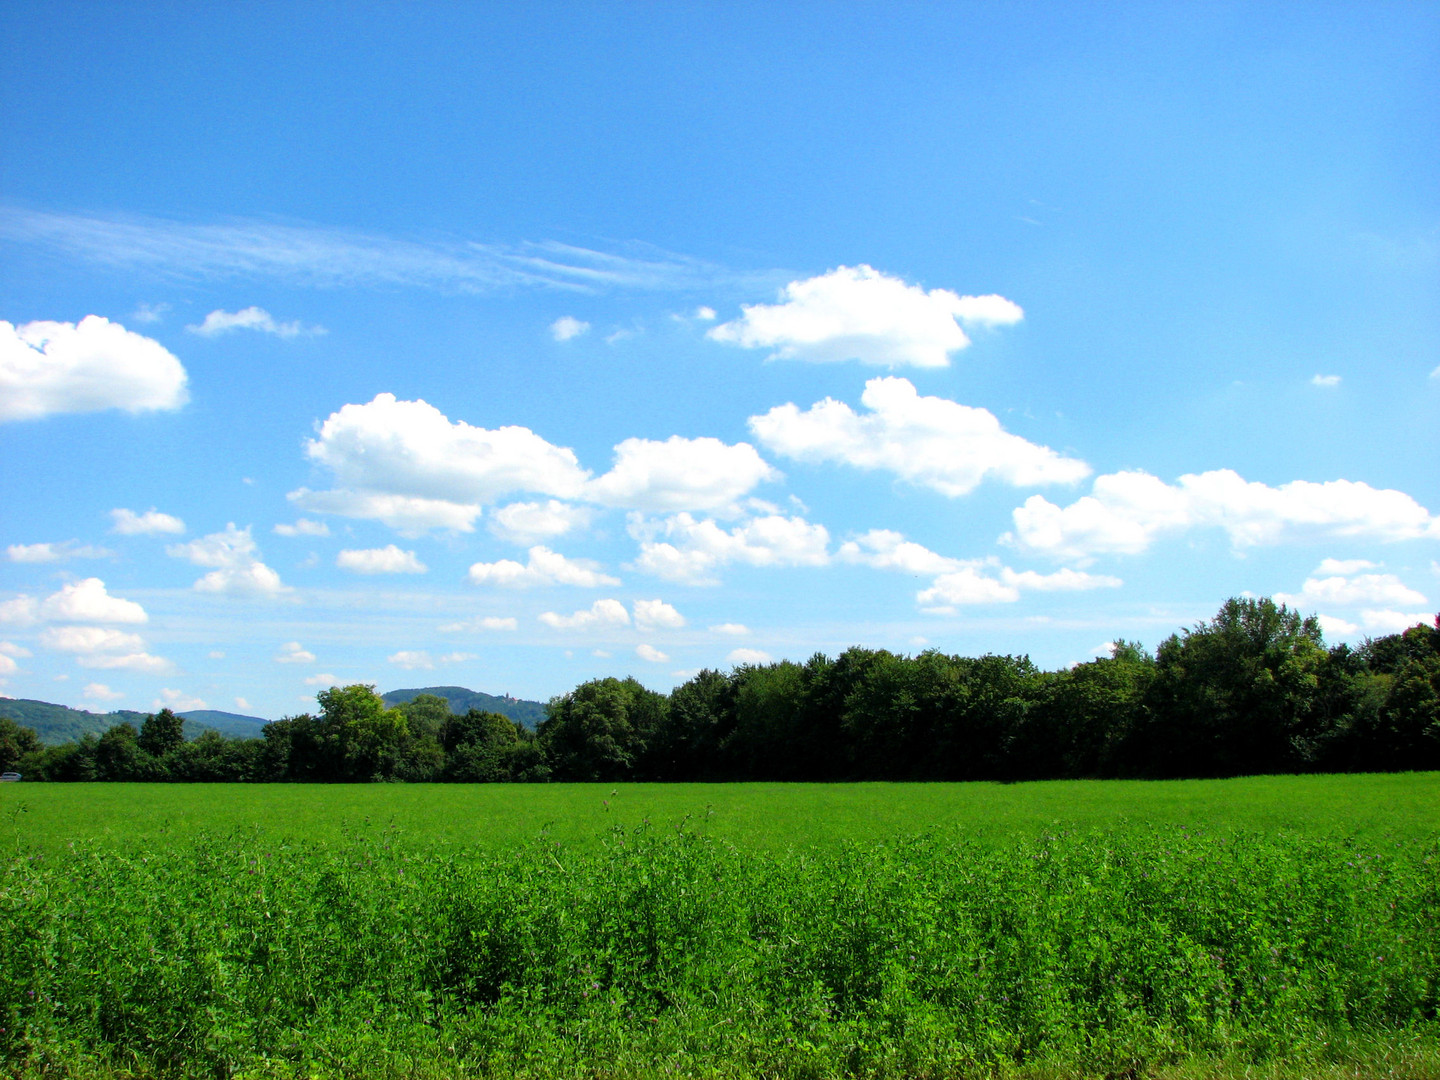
[(758, 816), (1271, 927)]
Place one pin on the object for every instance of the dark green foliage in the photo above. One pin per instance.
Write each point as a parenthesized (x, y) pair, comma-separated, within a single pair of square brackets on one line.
[(18, 745), (1252, 691), (1120, 953)]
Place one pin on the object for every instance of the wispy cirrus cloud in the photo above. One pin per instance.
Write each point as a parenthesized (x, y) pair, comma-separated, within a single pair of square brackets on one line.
[(323, 255)]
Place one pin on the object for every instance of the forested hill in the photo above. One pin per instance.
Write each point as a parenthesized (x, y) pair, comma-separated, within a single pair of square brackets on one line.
[(461, 700), (56, 724)]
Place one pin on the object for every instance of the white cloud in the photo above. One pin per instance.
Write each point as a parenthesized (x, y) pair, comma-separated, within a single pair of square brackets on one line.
[(531, 522), (1126, 511), (44, 553), (487, 622), (89, 639), (456, 657), (748, 656), (9, 648), (1344, 567), (150, 523), (216, 654), (292, 652), (887, 550), (177, 701), (250, 318), (150, 313), (567, 327), (21, 611), (680, 474), (55, 367), (651, 654), (97, 691), (408, 450), (705, 314), (303, 527), (858, 313), (545, 567), (315, 255), (601, 613), (412, 661), (1334, 628), (731, 629), (657, 615), (929, 441), (241, 703), (1370, 590), (967, 585), (7, 665), (1325, 380), (1385, 621), (691, 551), (323, 679), (1065, 580), (141, 661), (387, 560), (407, 515), (88, 601), (970, 583), (239, 571)]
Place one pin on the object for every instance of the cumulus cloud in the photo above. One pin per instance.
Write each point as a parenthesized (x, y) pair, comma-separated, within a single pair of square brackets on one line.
[(748, 656), (411, 660), (250, 318), (486, 622), (651, 654), (1386, 621), (238, 569), (859, 313), (22, 610), (44, 553), (1126, 511), (407, 515), (1333, 627), (322, 679), (56, 367), (1343, 567), (9, 648), (544, 567), (1369, 590), (691, 552), (705, 314), (150, 523), (405, 463), (887, 550), (387, 560), (88, 601), (89, 639), (680, 474), (967, 585), (303, 527), (177, 700), (602, 613), (292, 652), (7, 665), (929, 441), (657, 615), (1325, 380), (730, 629), (101, 647), (456, 657), (567, 327), (96, 691), (531, 522)]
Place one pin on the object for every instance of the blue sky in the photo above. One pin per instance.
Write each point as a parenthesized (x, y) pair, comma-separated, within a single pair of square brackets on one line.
[(507, 348)]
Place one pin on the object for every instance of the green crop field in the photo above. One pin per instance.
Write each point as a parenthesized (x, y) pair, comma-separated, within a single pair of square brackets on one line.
[(1266, 927), (756, 816)]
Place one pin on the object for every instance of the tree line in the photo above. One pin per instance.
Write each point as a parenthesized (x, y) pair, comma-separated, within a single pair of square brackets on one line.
[(1254, 690)]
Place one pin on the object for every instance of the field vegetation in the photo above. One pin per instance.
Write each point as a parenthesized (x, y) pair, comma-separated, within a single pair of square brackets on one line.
[(1240, 929)]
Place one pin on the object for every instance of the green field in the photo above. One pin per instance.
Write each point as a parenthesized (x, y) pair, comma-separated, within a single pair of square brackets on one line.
[(1267, 927), (757, 816)]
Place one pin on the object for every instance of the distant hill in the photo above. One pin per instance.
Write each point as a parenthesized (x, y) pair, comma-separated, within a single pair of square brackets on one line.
[(57, 724), (235, 725), (462, 701)]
